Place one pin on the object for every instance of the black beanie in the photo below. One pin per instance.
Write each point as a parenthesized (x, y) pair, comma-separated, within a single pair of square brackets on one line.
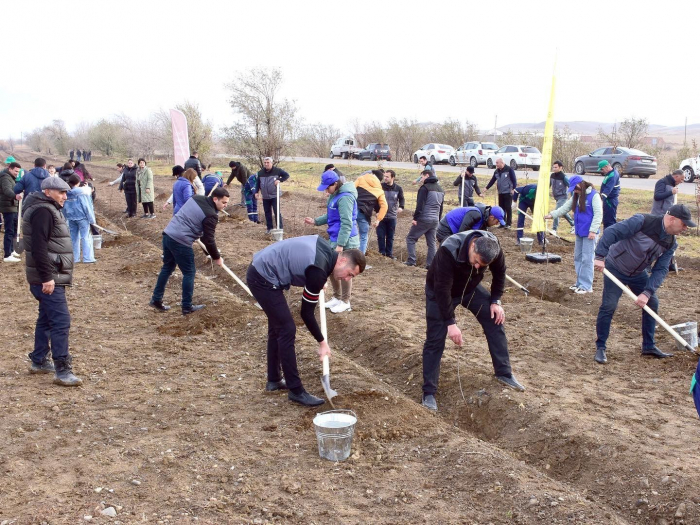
[(378, 173), (178, 170), (231, 164), (470, 169)]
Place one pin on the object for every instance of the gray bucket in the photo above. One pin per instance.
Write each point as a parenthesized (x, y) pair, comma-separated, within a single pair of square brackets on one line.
[(526, 244), (689, 332), (334, 431), (97, 242), (277, 234)]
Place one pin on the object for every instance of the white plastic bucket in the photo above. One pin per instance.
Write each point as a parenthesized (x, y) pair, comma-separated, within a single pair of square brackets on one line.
[(334, 432), (689, 332), (277, 234), (97, 242), (526, 244)]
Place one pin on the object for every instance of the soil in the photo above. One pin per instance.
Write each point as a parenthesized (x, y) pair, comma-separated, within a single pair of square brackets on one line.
[(172, 423)]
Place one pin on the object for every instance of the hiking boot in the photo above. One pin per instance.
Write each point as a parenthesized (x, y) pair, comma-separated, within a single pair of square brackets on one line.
[(45, 367), (510, 382), (429, 402), (192, 308), (305, 399), (655, 352), (600, 356), (158, 305), (341, 307), (271, 386), (332, 303), (64, 373)]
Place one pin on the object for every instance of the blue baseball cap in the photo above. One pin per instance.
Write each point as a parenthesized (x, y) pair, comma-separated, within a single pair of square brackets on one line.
[(497, 212), (573, 181), (329, 177)]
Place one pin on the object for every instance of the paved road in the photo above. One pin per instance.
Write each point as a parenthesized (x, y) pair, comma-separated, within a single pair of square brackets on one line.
[(626, 182)]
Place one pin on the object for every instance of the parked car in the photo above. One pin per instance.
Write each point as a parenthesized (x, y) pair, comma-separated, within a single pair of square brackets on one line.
[(472, 153), (627, 161), (434, 153), (345, 147), (517, 157), (375, 151), (690, 169)]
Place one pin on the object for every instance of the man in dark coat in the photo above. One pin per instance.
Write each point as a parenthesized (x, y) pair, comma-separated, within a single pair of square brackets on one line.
[(193, 162), (241, 173), (9, 204)]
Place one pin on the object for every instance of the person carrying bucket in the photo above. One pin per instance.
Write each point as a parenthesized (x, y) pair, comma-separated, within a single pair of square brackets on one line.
[(588, 214), (453, 279), (477, 217), (626, 249), (343, 233), (526, 197), (268, 179), (307, 262)]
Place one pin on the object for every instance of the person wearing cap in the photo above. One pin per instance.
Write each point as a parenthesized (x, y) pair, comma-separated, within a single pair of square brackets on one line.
[(241, 173), (269, 178), (370, 198), (477, 217), (559, 183), (343, 232), (454, 279), (505, 180), (31, 182), (393, 193), (426, 217), (525, 197), (9, 205), (467, 181), (49, 268), (626, 250), (609, 192), (197, 218), (665, 190), (588, 214)]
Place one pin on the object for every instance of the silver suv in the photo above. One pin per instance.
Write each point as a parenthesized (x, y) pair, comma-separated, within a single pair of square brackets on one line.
[(473, 153)]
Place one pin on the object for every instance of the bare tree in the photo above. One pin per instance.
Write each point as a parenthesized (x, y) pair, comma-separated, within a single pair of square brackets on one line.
[(267, 123), (316, 140), (630, 133), (405, 136), (106, 137), (58, 136)]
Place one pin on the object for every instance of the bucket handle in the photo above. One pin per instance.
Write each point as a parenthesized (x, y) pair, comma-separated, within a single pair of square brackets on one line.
[(339, 411)]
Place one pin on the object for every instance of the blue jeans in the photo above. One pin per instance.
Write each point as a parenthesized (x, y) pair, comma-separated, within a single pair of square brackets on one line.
[(176, 254), (611, 295), (82, 241), (584, 253), (560, 202), (270, 207), (52, 325), (10, 220), (385, 236), (363, 226), (521, 224)]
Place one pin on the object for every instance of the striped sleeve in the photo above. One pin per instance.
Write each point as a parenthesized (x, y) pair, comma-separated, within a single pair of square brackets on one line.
[(310, 297)]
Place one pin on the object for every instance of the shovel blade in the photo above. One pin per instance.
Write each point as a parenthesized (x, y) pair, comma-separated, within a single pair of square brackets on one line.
[(18, 245), (326, 383)]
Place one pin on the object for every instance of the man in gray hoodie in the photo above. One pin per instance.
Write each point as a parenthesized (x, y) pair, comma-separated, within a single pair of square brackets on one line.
[(426, 217)]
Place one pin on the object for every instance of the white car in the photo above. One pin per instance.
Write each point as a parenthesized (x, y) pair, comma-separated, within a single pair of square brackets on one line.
[(517, 157), (690, 169), (434, 153), (473, 153)]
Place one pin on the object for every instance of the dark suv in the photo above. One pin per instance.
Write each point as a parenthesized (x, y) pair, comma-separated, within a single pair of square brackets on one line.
[(375, 151)]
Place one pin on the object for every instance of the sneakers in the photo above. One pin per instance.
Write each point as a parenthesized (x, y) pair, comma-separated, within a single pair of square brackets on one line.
[(11, 259), (573, 287), (192, 308), (581, 291), (145, 215), (341, 307), (152, 216), (409, 263), (305, 399), (510, 382), (368, 267), (573, 230), (333, 302), (18, 256), (429, 402)]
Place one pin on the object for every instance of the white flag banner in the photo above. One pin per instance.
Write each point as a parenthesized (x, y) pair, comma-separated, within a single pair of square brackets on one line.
[(181, 141)]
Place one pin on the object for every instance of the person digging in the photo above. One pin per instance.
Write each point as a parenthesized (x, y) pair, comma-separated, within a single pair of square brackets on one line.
[(626, 250), (307, 262), (453, 279)]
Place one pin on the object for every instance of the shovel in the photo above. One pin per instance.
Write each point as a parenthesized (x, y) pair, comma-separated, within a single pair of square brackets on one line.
[(326, 377), (648, 310), (18, 248), (516, 283), (551, 232), (105, 229), (228, 271)]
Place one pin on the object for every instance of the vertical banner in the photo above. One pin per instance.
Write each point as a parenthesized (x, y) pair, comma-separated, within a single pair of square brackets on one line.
[(181, 140), (542, 197)]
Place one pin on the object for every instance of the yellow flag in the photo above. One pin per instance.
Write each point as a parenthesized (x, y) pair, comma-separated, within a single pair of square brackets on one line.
[(542, 197)]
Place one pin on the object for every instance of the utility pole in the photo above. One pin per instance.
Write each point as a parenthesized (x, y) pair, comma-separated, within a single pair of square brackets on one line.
[(685, 132), (495, 125)]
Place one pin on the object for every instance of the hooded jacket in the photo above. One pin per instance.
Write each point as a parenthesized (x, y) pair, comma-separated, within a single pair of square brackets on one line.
[(8, 202), (471, 185), (663, 195), (429, 201), (78, 206), (559, 184), (182, 191), (370, 196), (242, 174), (66, 174), (344, 203), (144, 181), (31, 181)]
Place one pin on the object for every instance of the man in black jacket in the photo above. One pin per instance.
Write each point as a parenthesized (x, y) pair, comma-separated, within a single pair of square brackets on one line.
[(193, 162), (393, 193), (453, 279), (665, 190), (268, 179), (468, 183), (49, 266), (426, 217), (9, 204), (241, 173), (506, 181)]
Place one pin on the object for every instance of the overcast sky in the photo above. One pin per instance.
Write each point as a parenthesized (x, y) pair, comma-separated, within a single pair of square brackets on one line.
[(84, 60)]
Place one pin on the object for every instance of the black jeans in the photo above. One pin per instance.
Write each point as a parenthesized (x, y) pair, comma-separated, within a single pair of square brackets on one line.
[(385, 236), (478, 303), (505, 201), (147, 207), (281, 331), (130, 203), (270, 207), (10, 220)]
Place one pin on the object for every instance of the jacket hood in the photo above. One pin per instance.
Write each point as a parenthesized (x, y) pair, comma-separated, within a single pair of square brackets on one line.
[(348, 187), (432, 178), (39, 173), (371, 180)]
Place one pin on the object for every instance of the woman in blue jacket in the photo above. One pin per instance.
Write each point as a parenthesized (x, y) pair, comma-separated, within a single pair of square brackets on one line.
[(183, 189), (80, 214)]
